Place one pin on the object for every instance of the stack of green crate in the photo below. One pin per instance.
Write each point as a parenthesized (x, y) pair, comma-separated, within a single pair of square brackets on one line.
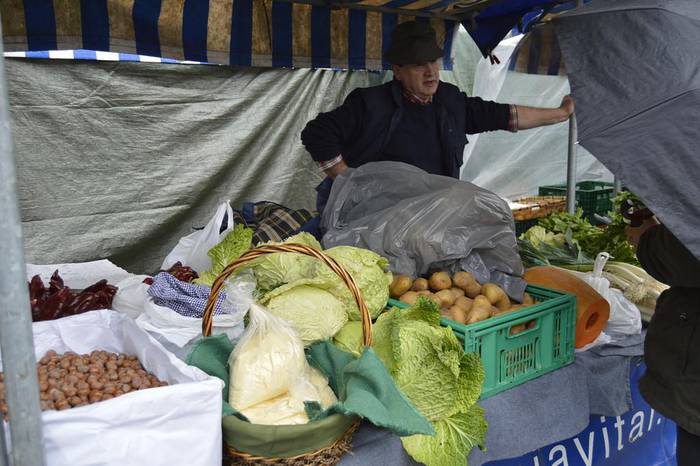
[(594, 197)]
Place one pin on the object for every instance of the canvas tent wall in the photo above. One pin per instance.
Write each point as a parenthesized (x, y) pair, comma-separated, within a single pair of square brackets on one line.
[(119, 159), (516, 164)]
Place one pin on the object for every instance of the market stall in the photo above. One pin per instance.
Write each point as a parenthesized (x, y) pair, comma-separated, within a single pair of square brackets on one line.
[(471, 352)]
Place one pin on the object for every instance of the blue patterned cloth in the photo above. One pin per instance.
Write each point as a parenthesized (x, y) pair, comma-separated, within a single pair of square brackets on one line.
[(186, 299)]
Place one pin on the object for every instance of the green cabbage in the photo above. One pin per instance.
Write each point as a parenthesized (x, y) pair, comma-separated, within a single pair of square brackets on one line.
[(228, 250), (454, 437), (315, 313), (431, 369), (367, 268), (280, 268)]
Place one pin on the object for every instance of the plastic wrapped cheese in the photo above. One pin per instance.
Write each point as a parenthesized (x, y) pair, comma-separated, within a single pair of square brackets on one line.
[(270, 379), (266, 362), (289, 409)]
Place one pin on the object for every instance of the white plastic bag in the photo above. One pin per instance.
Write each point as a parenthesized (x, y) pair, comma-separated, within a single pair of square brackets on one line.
[(625, 318), (178, 333), (132, 296), (192, 249), (153, 426)]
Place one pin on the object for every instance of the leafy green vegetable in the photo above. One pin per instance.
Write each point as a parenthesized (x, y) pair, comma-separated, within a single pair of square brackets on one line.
[(592, 239), (315, 313), (549, 249), (228, 250), (537, 235), (431, 369), (349, 338), (273, 270), (427, 367), (367, 268), (455, 437)]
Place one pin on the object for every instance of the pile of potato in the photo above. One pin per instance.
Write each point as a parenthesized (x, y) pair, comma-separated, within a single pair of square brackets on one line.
[(71, 380), (461, 298)]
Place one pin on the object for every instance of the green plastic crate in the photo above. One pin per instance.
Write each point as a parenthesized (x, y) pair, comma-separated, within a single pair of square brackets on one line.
[(594, 197), (510, 360)]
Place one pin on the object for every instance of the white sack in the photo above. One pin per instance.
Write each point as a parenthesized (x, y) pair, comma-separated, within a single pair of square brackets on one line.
[(173, 425)]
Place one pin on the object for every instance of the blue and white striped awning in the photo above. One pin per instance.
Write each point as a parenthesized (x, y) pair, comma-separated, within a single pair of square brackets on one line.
[(538, 53), (237, 32), (97, 56)]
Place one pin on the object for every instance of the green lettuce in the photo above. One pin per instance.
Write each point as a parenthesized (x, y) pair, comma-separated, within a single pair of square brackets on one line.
[(228, 250), (367, 268)]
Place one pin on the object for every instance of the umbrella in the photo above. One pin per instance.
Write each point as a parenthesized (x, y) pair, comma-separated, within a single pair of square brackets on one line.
[(634, 72)]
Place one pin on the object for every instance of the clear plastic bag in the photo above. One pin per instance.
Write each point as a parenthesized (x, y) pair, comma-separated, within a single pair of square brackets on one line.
[(267, 360)]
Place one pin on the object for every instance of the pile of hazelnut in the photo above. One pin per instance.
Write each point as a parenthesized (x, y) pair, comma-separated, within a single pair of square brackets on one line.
[(70, 380)]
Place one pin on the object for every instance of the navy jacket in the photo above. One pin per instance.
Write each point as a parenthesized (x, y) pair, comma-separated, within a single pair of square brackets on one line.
[(671, 384), (361, 127)]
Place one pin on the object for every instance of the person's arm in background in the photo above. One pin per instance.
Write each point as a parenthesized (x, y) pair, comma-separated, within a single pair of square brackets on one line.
[(663, 256), (483, 115), (324, 136), (532, 117)]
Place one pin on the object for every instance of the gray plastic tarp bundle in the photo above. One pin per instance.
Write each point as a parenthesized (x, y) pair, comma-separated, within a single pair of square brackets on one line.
[(422, 222)]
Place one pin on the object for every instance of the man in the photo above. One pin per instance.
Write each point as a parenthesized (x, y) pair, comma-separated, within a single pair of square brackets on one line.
[(416, 118), (671, 383)]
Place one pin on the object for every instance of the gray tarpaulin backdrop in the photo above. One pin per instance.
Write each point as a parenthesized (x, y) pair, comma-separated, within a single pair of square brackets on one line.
[(634, 69), (119, 160)]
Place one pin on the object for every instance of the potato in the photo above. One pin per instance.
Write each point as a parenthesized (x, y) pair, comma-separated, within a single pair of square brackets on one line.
[(466, 281), (446, 298), (456, 292), (481, 310), (515, 329), (464, 302), (528, 300), (477, 314), (531, 324), (409, 297), (459, 315), (447, 313), (496, 296), (481, 301), (440, 281), (400, 285), (420, 284)]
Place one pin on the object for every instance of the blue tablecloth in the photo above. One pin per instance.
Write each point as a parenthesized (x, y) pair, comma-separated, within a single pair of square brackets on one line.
[(589, 413)]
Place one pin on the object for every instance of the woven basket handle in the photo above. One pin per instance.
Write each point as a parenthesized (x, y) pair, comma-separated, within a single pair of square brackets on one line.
[(365, 317)]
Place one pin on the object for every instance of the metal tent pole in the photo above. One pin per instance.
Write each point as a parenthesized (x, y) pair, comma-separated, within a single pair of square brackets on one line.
[(571, 166), (16, 341), (617, 186)]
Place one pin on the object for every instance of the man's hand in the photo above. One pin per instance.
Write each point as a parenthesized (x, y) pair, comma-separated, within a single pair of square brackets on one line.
[(336, 169), (567, 105), (635, 233), (533, 117)]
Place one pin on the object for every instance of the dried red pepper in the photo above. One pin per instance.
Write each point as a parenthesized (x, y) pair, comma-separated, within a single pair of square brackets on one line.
[(59, 300)]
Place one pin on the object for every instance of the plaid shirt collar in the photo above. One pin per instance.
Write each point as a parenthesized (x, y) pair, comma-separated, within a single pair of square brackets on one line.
[(414, 99)]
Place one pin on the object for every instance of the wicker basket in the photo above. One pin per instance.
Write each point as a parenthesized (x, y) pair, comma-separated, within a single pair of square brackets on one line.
[(330, 454), (538, 206)]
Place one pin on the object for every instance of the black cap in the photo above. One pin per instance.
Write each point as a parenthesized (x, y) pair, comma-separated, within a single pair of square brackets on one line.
[(413, 42)]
